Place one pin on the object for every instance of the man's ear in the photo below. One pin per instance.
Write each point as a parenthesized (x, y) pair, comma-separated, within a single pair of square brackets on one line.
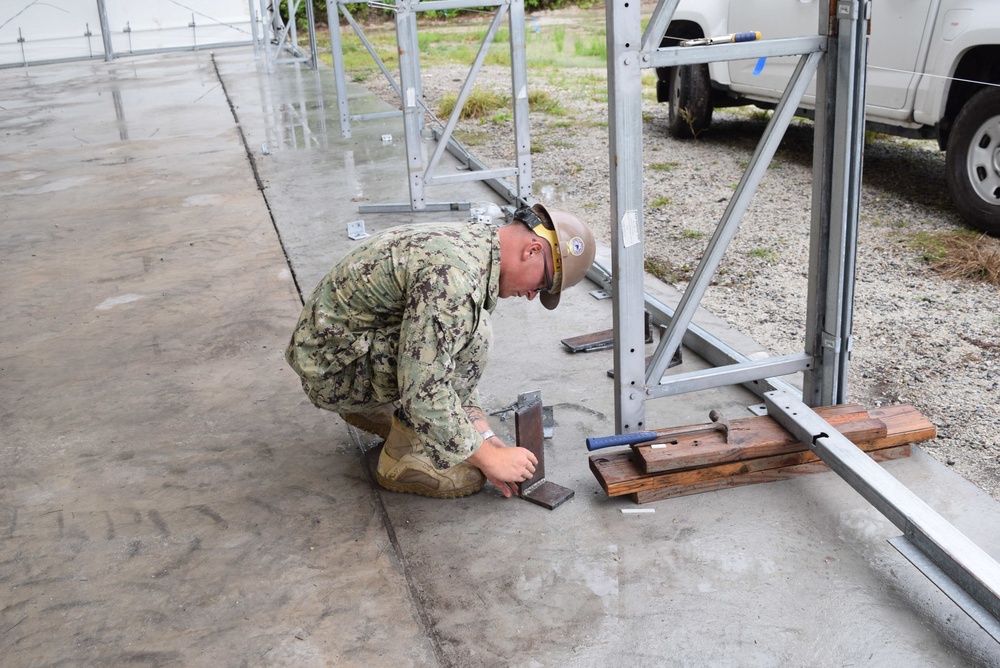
[(532, 247)]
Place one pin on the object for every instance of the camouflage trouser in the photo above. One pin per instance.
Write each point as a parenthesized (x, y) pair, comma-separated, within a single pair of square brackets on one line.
[(371, 381)]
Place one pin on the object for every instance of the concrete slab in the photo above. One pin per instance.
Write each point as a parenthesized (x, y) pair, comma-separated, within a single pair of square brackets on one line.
[(169, 496)]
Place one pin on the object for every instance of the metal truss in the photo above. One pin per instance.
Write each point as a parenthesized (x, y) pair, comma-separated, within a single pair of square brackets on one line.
[(277, 39), (423, 170), (837, 57), (824, 359)]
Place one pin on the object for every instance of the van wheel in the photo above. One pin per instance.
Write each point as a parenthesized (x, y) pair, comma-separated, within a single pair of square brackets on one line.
[(690, 100), (974, 161)]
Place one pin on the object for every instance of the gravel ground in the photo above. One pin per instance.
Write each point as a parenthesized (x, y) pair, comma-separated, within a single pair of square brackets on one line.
[(918, 338)]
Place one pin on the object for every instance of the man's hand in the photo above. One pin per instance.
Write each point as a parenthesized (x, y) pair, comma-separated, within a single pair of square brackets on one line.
[(502, 465)]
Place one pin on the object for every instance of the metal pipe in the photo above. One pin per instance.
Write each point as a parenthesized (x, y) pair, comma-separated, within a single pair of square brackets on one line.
[(109, 49)]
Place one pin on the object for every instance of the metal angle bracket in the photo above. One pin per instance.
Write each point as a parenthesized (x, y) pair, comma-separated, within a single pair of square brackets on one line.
[(529, 430), (356, 230)]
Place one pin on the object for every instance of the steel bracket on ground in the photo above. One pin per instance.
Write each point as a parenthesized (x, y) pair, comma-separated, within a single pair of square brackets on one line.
[(530, 435)]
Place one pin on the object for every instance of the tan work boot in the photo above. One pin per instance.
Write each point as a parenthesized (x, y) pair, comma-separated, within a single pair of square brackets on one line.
[(402, 469), (377, 421)]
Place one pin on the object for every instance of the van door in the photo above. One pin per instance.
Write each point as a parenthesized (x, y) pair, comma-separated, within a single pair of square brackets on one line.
[(900, 30), (773, 18), (900, 34)]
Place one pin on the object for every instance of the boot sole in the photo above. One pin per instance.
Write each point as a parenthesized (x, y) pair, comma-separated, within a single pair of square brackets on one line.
[(421, 490)]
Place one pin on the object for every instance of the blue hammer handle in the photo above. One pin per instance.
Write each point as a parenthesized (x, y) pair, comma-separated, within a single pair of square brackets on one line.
[(598, 442)]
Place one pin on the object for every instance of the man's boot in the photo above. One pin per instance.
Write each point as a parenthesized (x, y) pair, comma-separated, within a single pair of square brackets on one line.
[(377, 421), (402, 468)]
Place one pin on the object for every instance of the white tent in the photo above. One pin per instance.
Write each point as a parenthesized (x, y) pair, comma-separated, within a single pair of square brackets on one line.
[(37, 31)]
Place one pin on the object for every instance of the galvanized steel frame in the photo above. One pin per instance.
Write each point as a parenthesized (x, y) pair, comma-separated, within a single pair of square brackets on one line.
[(283, 48), (422, 172), (837, 56)]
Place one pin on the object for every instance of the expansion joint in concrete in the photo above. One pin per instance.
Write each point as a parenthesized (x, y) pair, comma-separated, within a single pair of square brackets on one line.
[(256, 176)]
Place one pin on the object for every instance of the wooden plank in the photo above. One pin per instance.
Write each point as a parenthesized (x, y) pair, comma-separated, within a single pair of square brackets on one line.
[(619, 473), (772, 475), (749, 438), (904, 424)]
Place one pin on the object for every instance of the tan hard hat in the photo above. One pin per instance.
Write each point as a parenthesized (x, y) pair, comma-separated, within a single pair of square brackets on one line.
[(572, 253)]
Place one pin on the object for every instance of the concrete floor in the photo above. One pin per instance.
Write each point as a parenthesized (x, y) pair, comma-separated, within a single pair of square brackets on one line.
[(168, 496)]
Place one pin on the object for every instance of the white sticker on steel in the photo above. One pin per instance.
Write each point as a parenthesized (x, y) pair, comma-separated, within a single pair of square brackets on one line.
[(523, 93), (630, 228), (411, 97)]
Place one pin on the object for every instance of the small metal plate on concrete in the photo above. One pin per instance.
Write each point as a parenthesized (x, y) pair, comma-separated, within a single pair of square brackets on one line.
[(758, 409), (600, 294), (528, 427), (386, 139), (356, 230)]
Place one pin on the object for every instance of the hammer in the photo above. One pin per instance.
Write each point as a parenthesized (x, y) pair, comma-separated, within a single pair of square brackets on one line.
[(719, 423)]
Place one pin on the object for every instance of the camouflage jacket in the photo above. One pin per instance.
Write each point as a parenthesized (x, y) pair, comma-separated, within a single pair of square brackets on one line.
[(405, 317)]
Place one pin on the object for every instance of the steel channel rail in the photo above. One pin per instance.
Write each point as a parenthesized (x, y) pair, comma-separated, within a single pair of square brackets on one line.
[(956, 555)]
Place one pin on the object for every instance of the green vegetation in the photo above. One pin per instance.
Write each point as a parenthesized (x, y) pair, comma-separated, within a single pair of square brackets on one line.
[(539, 100), (961, 254), (768, 255), (567, 54), (497, 106), (664, 270), (480, 104), (366, 13)]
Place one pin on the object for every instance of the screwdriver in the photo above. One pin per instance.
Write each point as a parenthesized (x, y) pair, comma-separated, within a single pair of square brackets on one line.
[(748, 36)]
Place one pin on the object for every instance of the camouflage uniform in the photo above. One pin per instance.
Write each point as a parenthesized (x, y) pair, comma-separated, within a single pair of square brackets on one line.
[(405, 317)]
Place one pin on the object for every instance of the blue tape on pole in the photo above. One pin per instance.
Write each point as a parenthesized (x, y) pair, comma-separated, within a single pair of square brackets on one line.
[(759, 66)]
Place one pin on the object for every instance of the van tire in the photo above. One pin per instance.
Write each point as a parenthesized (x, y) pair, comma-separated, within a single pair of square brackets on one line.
[(973, 161), (690, 101)]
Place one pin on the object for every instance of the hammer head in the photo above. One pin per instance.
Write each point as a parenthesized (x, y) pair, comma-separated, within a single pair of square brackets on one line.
[(721, 423)]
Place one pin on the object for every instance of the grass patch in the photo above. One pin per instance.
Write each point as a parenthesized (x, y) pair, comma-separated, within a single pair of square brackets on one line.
[(961, 255), (594, 46), (692, 234), (480, 104), (662, 200), (497, 106), (663, 166), (559, 37), (665, 271), (539, 100), (766, 254)]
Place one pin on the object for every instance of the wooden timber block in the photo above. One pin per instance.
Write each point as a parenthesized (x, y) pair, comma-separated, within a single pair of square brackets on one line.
[(753, 478), (748, 438), (602, 340), (620, 472)]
